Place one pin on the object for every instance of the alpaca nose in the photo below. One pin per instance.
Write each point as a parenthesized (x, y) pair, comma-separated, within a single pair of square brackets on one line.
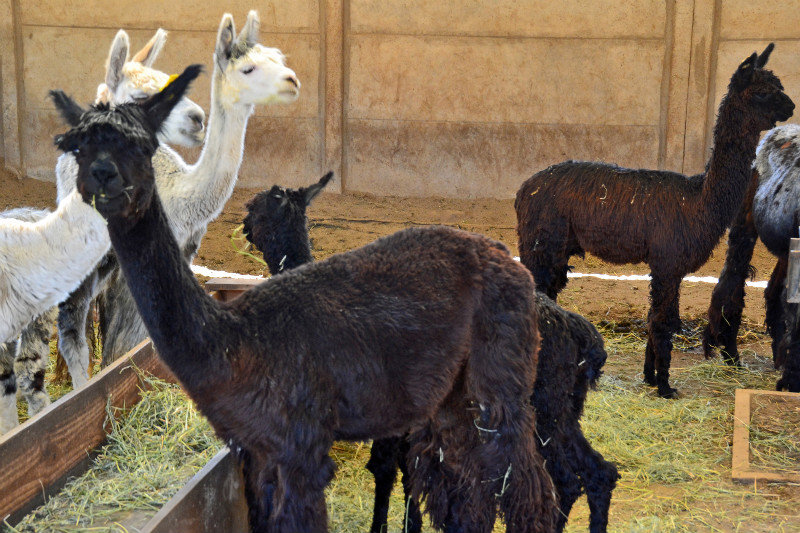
[(107, 177), (197, 120), (293, 80)]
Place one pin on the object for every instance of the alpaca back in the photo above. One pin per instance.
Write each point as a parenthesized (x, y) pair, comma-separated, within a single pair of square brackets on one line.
[(776, 203)]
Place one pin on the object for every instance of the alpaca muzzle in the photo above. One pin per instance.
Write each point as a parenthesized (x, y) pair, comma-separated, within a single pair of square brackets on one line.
[(785, 108), (107, 181)]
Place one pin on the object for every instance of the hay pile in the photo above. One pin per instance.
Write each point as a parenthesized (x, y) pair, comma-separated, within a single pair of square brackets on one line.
[(151, 452)]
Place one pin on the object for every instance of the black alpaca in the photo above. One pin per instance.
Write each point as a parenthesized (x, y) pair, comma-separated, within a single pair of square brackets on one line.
[(431, 331), (770, 212), (571, 356), (665, 219)]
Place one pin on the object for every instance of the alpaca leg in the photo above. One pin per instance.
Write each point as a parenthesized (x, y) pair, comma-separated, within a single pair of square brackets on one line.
[(303, 469), (32, 358), (598, 476), (382, 463), (566, 483), (662, 322), (8, 388), (773, 299), (412, 519), (447, 465), (789, 351), (72, 319), (259, 487), (123, 326), (727, 299)]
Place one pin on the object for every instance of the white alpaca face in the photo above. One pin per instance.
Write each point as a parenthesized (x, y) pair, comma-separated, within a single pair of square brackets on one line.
[(260, 76), (185, 124)]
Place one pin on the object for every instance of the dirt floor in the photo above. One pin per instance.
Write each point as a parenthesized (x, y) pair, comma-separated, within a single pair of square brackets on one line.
[(342, 222)]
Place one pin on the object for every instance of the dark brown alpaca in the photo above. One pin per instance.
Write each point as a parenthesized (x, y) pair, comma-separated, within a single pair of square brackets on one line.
[(571, 357), (430, 330), (669, 221)]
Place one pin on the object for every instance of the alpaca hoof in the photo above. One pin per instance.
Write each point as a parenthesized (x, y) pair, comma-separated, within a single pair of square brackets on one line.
[(650, 379), (731, 361), (665, 391)]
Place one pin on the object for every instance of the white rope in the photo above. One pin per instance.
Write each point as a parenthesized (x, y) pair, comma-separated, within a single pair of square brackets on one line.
[(203, 271)]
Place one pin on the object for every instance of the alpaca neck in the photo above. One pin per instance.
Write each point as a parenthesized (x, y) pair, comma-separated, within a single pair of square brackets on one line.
[(729, 169), (287, 251), (181, 319), (201, 193)]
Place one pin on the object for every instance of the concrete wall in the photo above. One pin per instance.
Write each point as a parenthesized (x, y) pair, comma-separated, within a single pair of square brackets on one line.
[(411, 97)]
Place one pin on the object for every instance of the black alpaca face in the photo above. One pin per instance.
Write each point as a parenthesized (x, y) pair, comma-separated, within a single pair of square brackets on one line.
[(114, 146), (761, 90), (277, 208), (113, 151)]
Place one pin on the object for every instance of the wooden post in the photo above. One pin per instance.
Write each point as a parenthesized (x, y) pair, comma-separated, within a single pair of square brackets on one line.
[(793, 272)]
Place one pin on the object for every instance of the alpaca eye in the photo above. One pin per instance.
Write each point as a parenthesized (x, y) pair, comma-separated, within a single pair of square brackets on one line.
[(248, 70), (139, 97), (76, 151), (761, 97)]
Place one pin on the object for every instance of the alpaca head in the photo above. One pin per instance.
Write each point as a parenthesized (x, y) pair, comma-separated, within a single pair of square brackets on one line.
[(251, 73), (134, 80), (276, 221), (114, 146), (760, 91)]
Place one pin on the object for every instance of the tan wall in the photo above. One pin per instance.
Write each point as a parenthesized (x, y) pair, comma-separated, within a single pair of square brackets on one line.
[(412, 97)]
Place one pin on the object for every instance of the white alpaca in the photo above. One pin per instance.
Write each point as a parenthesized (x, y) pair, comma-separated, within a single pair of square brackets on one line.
[(127, 80), (22, 362), (42, 262), (245, 73)]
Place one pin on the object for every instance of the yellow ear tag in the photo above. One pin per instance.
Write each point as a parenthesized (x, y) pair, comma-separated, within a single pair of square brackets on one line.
[(170, 80)]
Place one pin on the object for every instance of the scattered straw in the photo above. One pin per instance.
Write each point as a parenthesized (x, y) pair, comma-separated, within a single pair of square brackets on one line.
[(242, 246), (152, 451)]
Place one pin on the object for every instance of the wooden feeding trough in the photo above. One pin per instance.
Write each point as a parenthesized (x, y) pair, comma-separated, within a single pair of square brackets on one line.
[(37, 457), (742, 470)]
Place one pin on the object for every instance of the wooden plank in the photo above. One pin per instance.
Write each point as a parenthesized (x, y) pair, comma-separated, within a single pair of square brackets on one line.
[(212, 501), (36, 457), (740, 454), (740, 460), (227, 289)]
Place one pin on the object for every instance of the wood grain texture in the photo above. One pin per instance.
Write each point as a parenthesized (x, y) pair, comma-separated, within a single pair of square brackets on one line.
[(212, 501), (36, 456)]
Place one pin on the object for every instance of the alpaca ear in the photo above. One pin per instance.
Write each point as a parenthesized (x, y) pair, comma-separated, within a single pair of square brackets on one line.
[(744, 74), (160, 105), (312, 191), (249, 34), (225, 37), (147, 55), (117, 57), (69, 110), (764, 57)]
